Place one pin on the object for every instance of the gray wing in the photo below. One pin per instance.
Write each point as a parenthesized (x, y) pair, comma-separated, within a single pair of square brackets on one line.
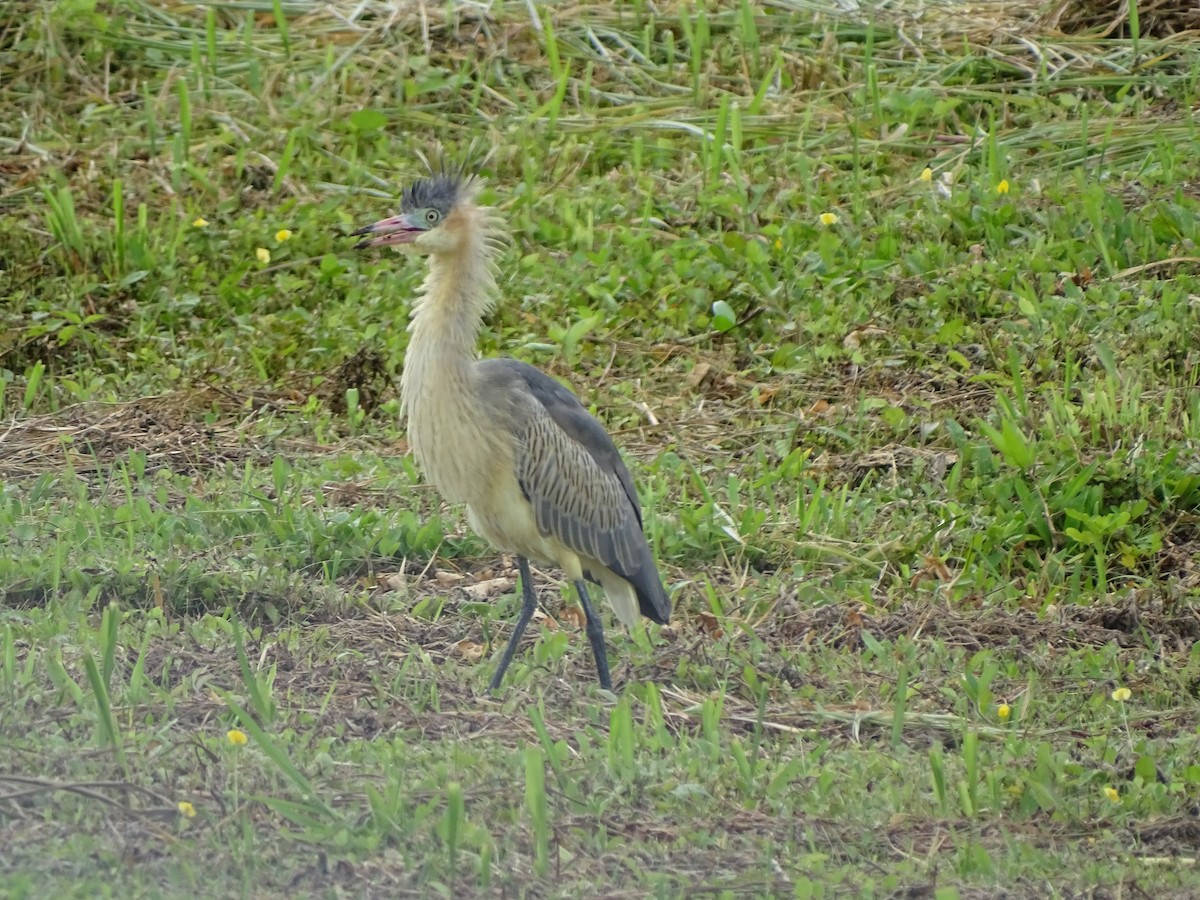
[(573, 477)]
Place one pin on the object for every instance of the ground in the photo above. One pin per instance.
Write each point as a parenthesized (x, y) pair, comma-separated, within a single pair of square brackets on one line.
[(892, 309)]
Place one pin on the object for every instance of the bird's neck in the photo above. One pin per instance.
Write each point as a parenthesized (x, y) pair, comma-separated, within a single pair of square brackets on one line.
[(446, 320), (437, 392)]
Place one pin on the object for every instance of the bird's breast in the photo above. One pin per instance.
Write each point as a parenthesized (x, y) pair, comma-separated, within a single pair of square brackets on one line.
[(469, 455), (457, 453)]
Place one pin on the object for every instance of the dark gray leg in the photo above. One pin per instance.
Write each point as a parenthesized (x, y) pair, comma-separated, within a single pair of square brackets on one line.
[(528, 606), (595, 633)]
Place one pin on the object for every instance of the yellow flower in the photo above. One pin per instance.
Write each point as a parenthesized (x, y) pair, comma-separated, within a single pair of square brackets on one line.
[(1111, 793), (263, 254), (778, 244), (927, 174), (237, 738), (1122, 694), (1002, 187), (1003, 711), (828, 218), (282, 235), (186, 809), (200, 222)]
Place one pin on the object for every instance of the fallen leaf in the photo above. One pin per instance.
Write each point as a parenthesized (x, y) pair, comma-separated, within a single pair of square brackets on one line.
[(393, 582), (469, 650), (854, 339), (933, 569), (767, 394), (573, 615), (1080, 279), (710, 625), (339, 37), (488, 589), (699, 372), (938, 466)]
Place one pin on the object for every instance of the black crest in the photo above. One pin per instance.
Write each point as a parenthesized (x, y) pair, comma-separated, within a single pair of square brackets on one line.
[(438, 192), (445, 183)]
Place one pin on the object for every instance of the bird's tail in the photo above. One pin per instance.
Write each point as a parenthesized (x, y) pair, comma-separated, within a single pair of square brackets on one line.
[(628, 596), (652, 596)]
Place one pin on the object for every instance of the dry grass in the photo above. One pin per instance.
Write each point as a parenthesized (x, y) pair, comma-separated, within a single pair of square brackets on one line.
[(897, 633), (1110, 18)]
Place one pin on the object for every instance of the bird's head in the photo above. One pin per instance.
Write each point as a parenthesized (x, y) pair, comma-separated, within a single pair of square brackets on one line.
[(432, 217)]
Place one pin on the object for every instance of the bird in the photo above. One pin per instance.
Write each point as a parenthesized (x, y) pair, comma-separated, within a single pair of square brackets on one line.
[(540, 477)]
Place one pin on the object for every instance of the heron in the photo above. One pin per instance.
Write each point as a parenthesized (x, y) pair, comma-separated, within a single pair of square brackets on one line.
[(540, 477)]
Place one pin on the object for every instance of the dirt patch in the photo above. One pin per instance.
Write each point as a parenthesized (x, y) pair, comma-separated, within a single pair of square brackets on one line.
[(171, 430), (1110, 18), (1177, 836), (1179, 558), (1134, 623), (367, 371), (87, 437), (1130, 623)]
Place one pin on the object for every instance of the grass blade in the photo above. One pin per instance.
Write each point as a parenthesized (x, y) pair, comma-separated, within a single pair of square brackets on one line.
[(108, 735)]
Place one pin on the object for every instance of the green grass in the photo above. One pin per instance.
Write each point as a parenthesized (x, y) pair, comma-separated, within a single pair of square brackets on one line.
[(920, 453)]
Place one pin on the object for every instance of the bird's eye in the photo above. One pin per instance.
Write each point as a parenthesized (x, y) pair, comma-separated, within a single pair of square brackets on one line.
[(432, 216)]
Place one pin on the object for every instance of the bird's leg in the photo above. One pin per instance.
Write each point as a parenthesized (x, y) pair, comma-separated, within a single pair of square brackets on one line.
[(595, 633), (528, 607)]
